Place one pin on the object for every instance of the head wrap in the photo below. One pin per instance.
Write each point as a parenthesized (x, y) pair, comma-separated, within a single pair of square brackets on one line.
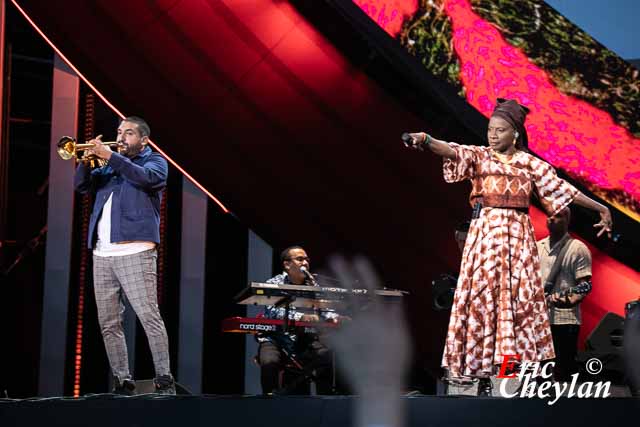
[(514, 114)]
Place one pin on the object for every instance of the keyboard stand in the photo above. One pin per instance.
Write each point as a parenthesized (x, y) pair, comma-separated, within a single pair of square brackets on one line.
[(304, 374)]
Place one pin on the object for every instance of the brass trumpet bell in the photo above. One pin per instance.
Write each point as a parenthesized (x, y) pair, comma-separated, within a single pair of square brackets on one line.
[(68, 148)]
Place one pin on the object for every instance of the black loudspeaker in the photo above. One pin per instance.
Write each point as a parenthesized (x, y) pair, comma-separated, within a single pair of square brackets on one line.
[(147, 386), (605, 343), (608, 334), (443, 289), (631, 347)]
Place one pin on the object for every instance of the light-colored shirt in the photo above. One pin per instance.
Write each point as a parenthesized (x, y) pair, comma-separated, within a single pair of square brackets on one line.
[(575, 266), (105, 248)]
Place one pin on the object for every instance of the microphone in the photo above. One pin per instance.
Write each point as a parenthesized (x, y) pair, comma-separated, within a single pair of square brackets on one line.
[(410, 142), (309, 275), (407, 139)]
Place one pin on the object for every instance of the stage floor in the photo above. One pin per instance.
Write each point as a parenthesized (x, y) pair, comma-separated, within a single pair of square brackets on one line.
[(330, 411)]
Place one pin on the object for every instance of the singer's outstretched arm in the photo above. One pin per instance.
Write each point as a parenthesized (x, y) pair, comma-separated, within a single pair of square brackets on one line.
[(439, 147)]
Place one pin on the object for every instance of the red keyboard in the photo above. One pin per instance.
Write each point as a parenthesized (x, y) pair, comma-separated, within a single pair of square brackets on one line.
[(254, 325)]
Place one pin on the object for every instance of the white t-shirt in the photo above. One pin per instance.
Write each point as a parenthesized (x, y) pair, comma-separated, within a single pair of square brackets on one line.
[(105, 248)]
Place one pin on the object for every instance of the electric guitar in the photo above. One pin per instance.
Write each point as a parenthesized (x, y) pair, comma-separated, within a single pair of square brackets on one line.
[(582, 288)]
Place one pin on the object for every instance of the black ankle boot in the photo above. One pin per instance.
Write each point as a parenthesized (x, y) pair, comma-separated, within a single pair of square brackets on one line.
[(484, 387), (126, 387), (165, 384)]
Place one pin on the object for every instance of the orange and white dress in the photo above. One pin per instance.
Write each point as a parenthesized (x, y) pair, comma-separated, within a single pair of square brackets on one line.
[(499, 306)]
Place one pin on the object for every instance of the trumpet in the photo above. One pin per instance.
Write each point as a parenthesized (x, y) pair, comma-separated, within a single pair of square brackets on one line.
[(68, 148)]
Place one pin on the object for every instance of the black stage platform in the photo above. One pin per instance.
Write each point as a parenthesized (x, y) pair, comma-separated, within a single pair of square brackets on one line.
[(258, 411)]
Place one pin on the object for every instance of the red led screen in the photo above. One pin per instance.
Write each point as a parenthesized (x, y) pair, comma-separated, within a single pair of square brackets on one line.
[(593, 146)]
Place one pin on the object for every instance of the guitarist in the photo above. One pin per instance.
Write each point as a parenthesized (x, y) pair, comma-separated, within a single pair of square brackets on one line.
[(565, 265)]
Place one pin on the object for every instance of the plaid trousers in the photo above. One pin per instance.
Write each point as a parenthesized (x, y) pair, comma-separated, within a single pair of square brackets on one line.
[(135, 275)]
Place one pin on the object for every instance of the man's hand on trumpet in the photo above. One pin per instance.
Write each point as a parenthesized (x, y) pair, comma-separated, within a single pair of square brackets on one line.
[(99, 150)]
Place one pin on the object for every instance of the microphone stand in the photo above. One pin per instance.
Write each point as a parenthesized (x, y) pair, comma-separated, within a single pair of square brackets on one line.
[(29, 247)]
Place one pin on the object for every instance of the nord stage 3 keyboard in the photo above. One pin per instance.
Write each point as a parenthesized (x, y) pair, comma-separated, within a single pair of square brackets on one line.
[(308, 296), (254, 325)]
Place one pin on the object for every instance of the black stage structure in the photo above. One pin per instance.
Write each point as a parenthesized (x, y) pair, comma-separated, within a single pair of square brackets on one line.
[(251, 411)]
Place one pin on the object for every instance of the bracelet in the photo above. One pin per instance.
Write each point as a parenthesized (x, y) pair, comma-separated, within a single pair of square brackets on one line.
[(427, 139)]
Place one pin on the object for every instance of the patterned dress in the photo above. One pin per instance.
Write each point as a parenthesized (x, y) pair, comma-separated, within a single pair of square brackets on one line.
[(499, 307)]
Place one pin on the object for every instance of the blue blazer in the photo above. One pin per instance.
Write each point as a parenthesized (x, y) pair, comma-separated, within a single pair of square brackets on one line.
[(136, 185)]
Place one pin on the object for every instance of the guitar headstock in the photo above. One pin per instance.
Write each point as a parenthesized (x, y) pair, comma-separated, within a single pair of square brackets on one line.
[(582, 288)]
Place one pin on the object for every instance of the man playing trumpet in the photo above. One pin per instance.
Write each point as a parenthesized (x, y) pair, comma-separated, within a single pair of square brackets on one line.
[(123, 232)]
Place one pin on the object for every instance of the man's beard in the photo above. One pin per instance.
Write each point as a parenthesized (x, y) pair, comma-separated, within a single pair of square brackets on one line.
[(130, 151)]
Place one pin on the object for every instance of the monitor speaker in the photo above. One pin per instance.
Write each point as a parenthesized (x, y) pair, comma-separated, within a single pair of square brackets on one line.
[(607, 336), (605, 344)]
